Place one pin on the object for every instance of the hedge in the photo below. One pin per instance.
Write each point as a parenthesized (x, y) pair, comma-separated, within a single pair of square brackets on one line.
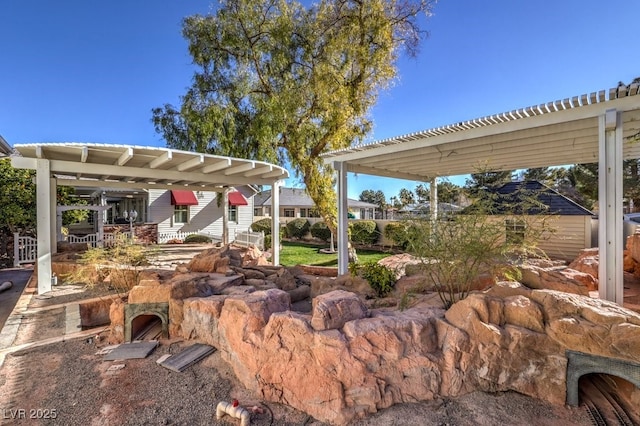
[(298, 228), (364, 232), (321, 231)]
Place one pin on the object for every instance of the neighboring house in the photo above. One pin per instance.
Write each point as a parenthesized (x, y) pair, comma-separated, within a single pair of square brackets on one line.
[(571, 224), (174, 212), (295, 203), (423, 209), (5, 148)]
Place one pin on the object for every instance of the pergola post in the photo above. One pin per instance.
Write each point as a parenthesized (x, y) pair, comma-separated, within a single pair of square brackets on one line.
[(433, 199), (53, 201), (43, 220), (275, 223), (225, 216), (611, 286), (343, 219)]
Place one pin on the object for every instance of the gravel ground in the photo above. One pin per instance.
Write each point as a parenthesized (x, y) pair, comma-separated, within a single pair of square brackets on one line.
[(71, 382)]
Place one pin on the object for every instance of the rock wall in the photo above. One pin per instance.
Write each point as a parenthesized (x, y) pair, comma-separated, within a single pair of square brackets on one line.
[(506, 338)]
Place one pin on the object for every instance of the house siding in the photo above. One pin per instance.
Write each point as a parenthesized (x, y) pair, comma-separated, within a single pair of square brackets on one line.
[(573, 234), (204, 217)]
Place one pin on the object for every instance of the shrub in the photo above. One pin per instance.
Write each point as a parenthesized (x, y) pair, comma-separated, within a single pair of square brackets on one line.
[(262, 225), (321, 231), (396, 232), (380, 278), (195, 238), (364, 232), (298, 228), (123, 262), (268, 239)]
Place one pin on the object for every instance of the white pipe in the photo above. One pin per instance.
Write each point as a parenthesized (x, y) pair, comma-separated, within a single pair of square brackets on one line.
[(237, 412)]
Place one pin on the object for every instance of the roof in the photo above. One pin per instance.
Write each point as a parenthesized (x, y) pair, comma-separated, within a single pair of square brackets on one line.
[(5, 148), (298, 197), (551, 134), (426, 206), (536, 198), (103, 165)]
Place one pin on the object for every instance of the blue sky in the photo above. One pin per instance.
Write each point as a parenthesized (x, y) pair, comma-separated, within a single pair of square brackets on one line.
[(82, 71)]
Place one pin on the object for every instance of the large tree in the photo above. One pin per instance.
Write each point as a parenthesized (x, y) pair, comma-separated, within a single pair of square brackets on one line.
[(374, 197), (277, 81)]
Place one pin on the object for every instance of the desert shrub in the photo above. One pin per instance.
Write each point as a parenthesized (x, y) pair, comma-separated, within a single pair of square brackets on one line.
[(364, 232), (298, 228), (396, 232), (262, 225), (380, 278), (321, 231), (123, 263), (195, 238)]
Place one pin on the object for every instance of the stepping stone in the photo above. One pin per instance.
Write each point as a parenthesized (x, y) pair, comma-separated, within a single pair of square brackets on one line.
[(132, 350), (179, 362)]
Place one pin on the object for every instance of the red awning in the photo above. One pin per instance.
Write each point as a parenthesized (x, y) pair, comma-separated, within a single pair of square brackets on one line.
[(183, 198), (237, 199)]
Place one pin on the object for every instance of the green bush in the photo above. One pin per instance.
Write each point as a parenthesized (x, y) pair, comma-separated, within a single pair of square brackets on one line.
[(397, 232), (321, 231), (364, 232), (298, 228), (195, 238), (262, 225), (269, 238), (380, 278)]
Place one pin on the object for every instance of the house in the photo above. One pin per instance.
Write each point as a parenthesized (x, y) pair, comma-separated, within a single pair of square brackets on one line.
[(295, 203), (5, 148), (423, 209), (171, 213), (571, 222)]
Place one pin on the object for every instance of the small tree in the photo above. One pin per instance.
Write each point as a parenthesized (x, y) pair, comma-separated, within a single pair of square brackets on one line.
[(488, 238)]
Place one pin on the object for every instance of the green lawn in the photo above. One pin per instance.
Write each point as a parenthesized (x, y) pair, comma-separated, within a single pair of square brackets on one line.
[(293, 253)]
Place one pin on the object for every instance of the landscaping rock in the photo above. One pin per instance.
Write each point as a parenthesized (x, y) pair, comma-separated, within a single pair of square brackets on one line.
[(332, 310)]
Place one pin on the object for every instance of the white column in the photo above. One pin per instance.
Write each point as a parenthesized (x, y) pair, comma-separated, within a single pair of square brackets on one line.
[(343, 219), (610, 237), (275, 223), (225, 216), (53, 199), (433, 199), (43, 220)]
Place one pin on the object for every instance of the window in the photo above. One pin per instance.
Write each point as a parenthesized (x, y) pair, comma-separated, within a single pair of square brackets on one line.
[(289, 213), (515, 230), (303, 212), (181, 214), (257, 211), (233, 214)]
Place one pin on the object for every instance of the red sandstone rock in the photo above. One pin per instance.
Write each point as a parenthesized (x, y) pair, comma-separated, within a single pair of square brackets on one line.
[(587, 262), (334, 309)]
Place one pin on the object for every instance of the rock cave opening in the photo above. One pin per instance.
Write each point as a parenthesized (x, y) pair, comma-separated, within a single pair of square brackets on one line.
[(146, 327)]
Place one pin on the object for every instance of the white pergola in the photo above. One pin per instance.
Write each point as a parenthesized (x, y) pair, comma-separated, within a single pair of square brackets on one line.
[(125, 166), (600, 127)]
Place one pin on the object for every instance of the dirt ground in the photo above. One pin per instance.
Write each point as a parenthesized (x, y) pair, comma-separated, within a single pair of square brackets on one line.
[(69, 383)]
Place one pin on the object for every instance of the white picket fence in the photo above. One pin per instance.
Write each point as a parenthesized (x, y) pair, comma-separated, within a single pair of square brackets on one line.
[(164, 237), (25, 250), (250, 238)]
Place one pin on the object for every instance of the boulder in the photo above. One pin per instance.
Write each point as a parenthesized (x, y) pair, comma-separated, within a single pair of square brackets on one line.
[(284, 280), (587, 261), (558, 278), (334, 309)]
